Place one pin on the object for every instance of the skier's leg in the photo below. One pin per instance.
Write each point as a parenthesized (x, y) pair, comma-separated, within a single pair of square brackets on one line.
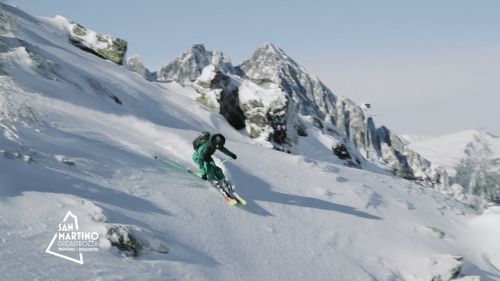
[(219, 174), (220, 177), (200, 163), (211, 169)]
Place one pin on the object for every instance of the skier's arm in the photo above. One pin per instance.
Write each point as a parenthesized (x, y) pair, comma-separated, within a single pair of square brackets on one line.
[(227, 152)]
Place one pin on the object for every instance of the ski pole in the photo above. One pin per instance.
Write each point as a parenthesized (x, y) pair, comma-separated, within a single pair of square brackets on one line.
[(171, 163), (175, 165)]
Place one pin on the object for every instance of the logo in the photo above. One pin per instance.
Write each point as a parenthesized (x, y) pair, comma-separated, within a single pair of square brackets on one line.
[(69, 242)]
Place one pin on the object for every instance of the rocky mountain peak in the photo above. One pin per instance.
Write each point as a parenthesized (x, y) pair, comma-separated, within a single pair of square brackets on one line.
[(270, 64), (199, 47), (273, 91), (266, 64), (187, 67), (198, 52), (271, 49), (134, 64)]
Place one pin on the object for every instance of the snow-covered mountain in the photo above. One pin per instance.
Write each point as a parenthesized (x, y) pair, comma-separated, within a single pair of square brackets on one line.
[(276, 100), (471, 158), (77, 133), (270, 64), (188, 66)]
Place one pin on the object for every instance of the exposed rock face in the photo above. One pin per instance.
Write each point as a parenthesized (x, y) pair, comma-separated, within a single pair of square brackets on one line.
[(225, 91), (271, 115), (344, 153), (267, 93), (101, 45), (134, 64), (263, 112), (379, 144), (270, 64), (349, 118), (186, 68)]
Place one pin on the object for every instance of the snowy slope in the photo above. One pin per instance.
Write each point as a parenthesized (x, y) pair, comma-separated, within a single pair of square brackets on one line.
[(67, 144), (472, 158), (448, 150)]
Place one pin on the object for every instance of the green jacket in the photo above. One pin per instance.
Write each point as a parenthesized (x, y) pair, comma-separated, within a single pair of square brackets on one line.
[(203, 158), (208, 149)]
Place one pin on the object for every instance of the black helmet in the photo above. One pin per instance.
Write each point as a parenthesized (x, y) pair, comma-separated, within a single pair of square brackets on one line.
[(218, 140)]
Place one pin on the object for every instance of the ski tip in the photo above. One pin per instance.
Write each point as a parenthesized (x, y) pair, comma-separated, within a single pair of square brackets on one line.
[(232, 202), (241, 201)]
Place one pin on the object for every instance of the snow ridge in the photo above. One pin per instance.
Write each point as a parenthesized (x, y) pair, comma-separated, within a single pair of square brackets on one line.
[(471, 158), (67, 144)]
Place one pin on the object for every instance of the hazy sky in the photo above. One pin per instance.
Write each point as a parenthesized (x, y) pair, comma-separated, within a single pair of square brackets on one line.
[(427, 67)]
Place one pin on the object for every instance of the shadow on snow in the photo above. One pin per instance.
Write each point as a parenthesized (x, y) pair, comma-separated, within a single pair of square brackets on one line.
[(258, 190)]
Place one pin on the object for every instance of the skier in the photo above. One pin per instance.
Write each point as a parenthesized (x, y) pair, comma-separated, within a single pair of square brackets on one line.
[(204, 147)]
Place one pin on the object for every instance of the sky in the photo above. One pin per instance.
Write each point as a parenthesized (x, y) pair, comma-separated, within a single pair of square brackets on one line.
[(426, 67)]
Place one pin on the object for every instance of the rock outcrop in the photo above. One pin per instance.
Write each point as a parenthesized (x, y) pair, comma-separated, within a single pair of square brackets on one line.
[(101, 45), (134, 64)]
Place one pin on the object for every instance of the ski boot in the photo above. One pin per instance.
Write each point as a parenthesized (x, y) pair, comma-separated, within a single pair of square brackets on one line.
[(227, 186), (224, 185)]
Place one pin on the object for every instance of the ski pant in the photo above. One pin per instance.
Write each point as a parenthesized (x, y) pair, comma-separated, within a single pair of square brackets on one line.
[(208, 168)]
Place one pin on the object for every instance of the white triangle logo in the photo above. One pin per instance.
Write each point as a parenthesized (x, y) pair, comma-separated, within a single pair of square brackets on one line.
[(49, 251)]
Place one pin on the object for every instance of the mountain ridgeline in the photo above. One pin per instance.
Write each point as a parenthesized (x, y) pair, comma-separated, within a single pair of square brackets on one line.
[(78, 132), (273, 98), (270, 96), (471, 158)]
